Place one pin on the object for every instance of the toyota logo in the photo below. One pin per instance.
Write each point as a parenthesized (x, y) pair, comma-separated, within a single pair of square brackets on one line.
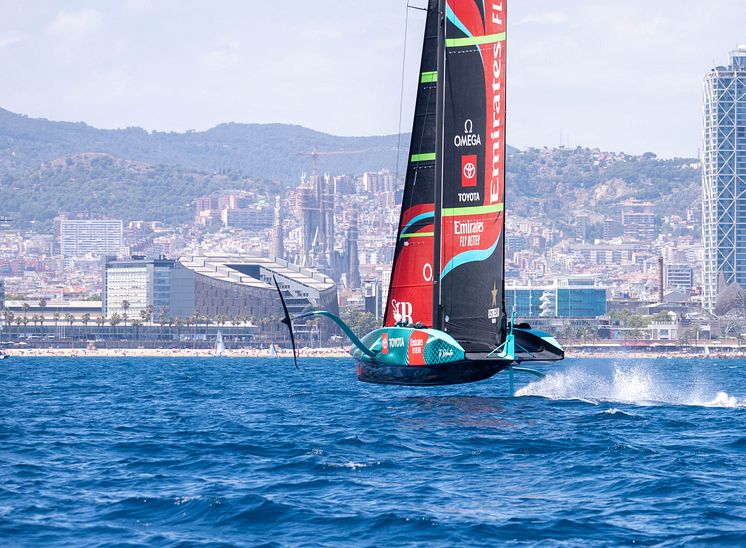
[(470, 170)]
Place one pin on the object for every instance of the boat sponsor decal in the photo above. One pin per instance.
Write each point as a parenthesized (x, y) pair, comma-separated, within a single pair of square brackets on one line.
[(469, 238), (469, 170), (416, 348), (385, 343), (402, 311), (468, 138), (396, 342), (469, 197)]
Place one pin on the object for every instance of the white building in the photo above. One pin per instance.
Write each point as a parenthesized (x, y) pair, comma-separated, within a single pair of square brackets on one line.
[(80, 238), (724, 176)]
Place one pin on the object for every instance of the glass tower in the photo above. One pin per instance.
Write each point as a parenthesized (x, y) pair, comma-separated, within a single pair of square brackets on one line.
[(724, 177)]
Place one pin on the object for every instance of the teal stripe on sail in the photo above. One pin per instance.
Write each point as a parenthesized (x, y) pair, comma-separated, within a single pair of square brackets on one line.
[(417, 219), (469, 257), (453, 18)]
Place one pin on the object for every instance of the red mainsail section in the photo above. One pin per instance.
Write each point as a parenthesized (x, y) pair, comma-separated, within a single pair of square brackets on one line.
[(410, 297)]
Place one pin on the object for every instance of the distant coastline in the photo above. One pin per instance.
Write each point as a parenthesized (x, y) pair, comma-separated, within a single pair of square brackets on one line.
[(605, 353), (170, 353)]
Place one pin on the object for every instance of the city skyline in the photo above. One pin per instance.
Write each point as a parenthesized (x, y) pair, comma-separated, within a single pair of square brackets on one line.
[(586, 74)]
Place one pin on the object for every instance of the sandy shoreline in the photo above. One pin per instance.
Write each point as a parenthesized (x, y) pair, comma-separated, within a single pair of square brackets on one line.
[(316, 353), (169, 353)]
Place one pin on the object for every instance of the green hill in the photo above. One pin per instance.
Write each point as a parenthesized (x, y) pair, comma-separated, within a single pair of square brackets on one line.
[(270, 151), (52, 167)]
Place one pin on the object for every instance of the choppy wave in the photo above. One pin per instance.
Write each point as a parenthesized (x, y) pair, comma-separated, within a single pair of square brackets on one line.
[(235, 453)]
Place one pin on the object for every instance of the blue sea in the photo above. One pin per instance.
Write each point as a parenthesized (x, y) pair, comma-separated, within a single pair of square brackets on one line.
[(251, 452)]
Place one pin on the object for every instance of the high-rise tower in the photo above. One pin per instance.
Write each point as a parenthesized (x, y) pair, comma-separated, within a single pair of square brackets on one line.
[(278, 241), (724, 176), (353, 260), (316, 205)]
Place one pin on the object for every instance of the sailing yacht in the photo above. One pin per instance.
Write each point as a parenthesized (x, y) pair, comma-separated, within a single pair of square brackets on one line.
[(219, 345), (445, 320)]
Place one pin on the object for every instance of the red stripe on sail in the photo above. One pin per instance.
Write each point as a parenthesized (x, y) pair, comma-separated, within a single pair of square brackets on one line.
[(468, 13)]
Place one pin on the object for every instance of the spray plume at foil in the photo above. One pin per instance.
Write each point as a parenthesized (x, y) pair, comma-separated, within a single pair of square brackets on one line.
[(633, 384)]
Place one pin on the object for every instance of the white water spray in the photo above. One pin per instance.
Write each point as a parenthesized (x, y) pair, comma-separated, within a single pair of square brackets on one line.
[(636, 384)]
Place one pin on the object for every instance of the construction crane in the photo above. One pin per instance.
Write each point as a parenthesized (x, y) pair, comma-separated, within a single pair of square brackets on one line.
[(314, 154)]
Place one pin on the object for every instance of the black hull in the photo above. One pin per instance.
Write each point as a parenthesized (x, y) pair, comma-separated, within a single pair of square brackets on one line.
[(430, 375)]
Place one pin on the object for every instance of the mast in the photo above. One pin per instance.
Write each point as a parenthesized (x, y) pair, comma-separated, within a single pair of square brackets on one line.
[(503, 332), (438, 198)]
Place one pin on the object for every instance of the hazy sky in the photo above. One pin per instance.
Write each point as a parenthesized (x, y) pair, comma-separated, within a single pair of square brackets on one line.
[(620, 75)]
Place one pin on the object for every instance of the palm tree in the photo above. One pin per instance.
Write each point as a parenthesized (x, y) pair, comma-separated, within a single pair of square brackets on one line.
[(70, 319), (43, 308), (170, 322), (115, 319), (137, 324), (125, 306), (86, 318), (179, 323), (56, 318), (100, 321), (26, 307), (149, 310), (8, 318), (162, 315)]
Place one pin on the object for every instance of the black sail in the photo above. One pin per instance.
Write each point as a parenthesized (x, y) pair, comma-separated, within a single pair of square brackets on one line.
[(471, 292)]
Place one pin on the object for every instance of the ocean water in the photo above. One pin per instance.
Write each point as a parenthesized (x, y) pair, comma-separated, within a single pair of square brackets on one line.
[(248, 452)]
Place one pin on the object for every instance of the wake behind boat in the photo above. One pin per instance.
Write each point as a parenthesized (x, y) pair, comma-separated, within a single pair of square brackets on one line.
[(445, 320)]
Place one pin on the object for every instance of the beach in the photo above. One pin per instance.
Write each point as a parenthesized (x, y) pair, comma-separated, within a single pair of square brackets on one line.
[(605, 352), (171, 352)]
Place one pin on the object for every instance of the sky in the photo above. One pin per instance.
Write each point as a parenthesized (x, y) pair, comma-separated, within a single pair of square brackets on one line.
[(620, 76)]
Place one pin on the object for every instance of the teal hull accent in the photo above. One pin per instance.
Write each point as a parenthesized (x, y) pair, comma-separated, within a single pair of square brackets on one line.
[(422, 357)]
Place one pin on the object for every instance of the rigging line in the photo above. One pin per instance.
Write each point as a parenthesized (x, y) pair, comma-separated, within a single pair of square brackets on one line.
[(401, 91), (403, 75)]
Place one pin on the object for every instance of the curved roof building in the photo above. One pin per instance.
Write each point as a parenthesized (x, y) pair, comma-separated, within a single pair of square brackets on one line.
[(236, 286)]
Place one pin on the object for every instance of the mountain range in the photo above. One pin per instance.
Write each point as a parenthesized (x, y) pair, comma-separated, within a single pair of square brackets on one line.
[(48, 168)]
